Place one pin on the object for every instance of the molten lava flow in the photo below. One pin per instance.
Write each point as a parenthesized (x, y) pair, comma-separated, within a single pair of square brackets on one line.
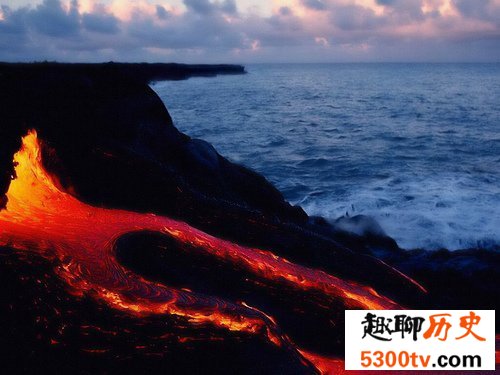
[(40, 217), (325, 365)]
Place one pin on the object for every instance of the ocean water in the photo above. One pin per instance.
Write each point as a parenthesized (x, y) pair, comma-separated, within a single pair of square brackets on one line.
[(415, 146)]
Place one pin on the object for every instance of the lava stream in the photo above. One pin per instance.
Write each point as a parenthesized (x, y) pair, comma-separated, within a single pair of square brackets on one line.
[(41, 217)]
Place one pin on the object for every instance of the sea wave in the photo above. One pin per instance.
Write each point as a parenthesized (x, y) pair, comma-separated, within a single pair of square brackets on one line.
[(450, 212), (417, 150)]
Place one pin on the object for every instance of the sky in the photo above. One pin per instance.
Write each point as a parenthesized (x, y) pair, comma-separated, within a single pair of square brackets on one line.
[(250, 31)]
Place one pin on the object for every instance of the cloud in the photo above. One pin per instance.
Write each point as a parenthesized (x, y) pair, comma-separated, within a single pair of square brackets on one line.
[(314, 4), (218, 31), (206, 7), (475, 9), (285, 11), (100, 23), (486, 10), (405, 10), (49, 18), (386, 2), (13, 21), (229, 7), (13, 31), (199, 6), (354, 17), (162, 13)]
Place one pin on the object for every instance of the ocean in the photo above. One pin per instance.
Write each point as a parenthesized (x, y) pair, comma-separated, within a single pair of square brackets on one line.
[(415, 146)]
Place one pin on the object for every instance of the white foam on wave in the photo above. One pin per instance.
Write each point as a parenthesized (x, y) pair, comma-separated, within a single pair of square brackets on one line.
[(430, 213)]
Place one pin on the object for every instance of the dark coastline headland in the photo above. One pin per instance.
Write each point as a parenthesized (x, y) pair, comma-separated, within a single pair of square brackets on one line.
[(110, 141), (145, 72)]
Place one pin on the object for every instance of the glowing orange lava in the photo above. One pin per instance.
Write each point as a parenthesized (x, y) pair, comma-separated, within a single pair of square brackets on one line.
[(40, 217)]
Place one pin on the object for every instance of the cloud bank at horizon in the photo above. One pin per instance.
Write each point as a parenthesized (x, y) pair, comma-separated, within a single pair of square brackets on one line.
[(237, 31)]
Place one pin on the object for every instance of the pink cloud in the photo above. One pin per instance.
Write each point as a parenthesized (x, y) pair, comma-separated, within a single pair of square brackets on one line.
[(93, 29)]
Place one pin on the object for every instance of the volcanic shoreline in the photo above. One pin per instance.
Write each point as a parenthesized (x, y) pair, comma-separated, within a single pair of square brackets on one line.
[(129, 247)]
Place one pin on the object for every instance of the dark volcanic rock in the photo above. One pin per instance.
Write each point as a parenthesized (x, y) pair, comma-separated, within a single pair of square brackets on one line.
[(47, 330), (457, 280), (142, 72)]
